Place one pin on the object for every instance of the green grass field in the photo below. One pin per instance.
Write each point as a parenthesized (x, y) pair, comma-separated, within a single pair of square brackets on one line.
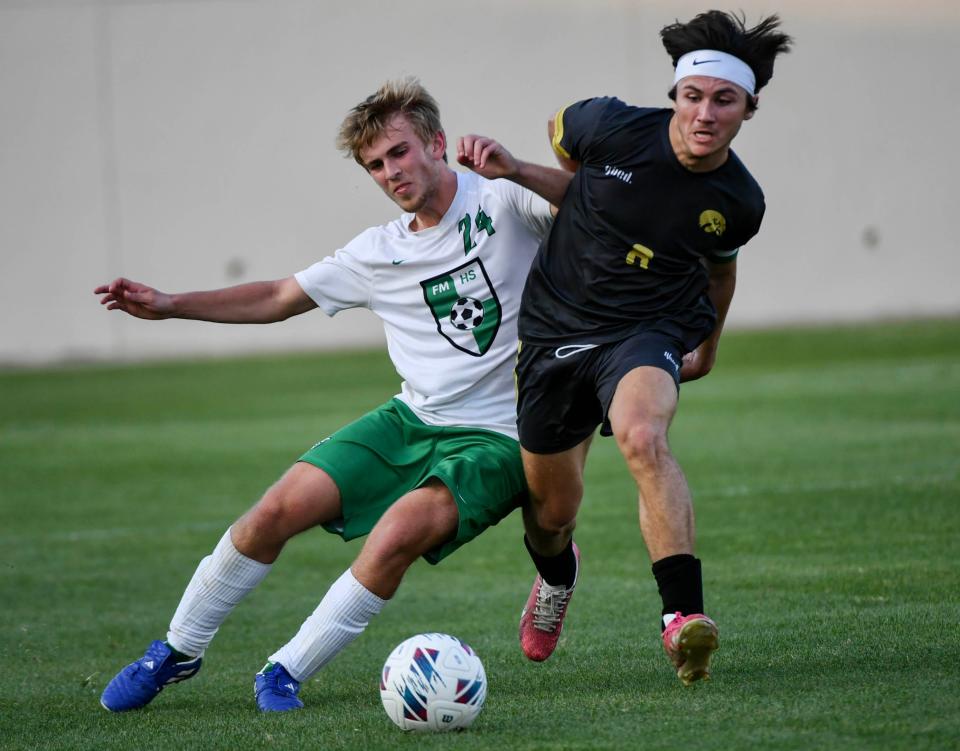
[(825, 467)]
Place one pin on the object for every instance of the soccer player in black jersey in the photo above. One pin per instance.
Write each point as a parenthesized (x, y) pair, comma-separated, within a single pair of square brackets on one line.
[(627, 298)]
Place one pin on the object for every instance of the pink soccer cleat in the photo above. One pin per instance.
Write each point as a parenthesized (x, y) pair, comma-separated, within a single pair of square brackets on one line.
[(690, 641), (542, 618)]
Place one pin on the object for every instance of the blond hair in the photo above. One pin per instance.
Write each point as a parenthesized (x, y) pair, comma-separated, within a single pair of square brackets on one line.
[(367, 121)]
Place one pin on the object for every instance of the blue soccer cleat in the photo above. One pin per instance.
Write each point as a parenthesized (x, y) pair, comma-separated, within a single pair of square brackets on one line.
[(276, 690), (139, 682)]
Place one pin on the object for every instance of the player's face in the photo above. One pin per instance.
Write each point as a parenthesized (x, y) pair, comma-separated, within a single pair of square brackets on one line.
[(407, 169), (709, 113)]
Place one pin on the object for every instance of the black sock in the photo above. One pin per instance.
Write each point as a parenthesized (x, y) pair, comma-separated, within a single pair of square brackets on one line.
[(557, 569), (179, 656), (680, 583)]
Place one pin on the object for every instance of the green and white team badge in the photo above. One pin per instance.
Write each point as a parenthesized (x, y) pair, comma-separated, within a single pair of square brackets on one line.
[(465, 307)]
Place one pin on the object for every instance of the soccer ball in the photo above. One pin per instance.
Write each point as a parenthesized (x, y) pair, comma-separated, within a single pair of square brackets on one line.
[(433, 682), (466, 314)]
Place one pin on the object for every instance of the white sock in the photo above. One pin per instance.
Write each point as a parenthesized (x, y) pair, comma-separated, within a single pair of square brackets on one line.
[(668, 619), (221, 580), (341, 617)]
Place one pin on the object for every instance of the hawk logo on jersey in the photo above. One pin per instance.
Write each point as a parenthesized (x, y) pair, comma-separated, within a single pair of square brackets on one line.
[(465, 307), (713, 223)]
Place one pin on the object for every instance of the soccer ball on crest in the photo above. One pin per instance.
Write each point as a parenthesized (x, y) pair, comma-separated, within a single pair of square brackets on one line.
[(466, 314), (433, 682)]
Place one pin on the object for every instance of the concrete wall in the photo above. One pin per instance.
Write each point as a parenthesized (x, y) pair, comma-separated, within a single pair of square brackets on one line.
[(189, 144)]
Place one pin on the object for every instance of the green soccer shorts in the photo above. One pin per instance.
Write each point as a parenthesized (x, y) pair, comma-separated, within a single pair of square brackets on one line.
[(389, 452)]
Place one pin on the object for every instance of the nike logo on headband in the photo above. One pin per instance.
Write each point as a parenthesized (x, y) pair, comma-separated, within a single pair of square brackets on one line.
[(701, 62)]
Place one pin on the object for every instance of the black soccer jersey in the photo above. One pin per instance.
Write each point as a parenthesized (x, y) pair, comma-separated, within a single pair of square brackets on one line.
[(627, 247)]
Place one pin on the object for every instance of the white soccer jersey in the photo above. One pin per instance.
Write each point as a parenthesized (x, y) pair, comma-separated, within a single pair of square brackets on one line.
[(448, 297)]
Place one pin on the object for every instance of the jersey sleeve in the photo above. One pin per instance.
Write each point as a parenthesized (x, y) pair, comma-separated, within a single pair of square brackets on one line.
[(723, 256), (339, 281), (574, 127), (729, 250), (530, 208)]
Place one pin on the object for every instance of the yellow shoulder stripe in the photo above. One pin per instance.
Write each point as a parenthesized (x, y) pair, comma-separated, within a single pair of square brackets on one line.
[(558, 134)]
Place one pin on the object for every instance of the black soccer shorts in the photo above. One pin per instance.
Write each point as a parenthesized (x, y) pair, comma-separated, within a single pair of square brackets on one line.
[(564, 393)]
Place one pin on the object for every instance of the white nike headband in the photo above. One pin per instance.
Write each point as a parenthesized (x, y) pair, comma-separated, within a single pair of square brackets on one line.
[(716, 65)]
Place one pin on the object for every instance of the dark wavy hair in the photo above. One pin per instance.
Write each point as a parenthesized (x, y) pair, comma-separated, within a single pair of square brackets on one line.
[(717, 30)]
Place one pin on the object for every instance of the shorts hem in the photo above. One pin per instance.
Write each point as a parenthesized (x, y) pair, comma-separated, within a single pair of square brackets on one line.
[(557, 449), (331, 526), (462, 536)]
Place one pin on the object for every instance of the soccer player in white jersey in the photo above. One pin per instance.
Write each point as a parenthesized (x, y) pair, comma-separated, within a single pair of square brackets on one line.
[(446, 279)]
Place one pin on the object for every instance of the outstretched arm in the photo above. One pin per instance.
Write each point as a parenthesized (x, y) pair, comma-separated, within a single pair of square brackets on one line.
[(256, 302), (490, 159), (723, 281)]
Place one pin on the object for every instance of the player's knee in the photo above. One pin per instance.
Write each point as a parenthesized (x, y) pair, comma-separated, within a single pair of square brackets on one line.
[(269, 512), (557, 524), (643, 445), (558, 515), (270, 519), (409, 531), (394, 548)]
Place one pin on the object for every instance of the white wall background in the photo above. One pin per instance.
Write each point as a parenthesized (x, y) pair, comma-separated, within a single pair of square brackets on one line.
[(189, 144)]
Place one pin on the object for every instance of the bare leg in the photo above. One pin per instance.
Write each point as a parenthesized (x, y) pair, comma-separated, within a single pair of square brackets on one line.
[(640, 415), (556, 489), (304, 497), (418, 522)]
